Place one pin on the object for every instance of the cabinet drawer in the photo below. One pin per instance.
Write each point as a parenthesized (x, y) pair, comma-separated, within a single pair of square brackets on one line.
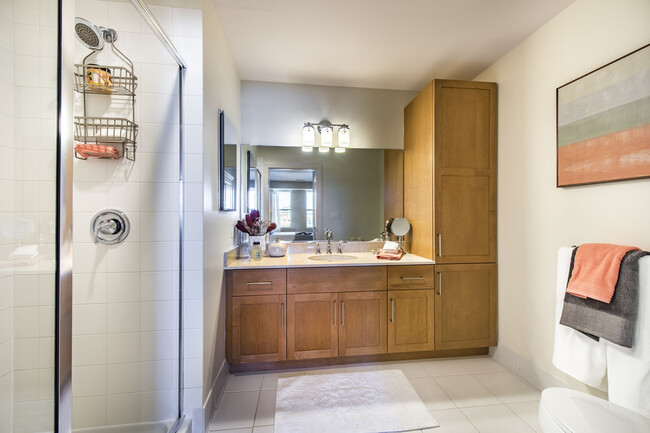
[(336, 279), (410, 277), (259, 282)]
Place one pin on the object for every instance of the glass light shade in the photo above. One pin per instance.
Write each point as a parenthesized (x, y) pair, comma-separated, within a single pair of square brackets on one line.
[(326, 136), (308, 136), (307, 148), (344, 136), (323, 149), (339, 149)]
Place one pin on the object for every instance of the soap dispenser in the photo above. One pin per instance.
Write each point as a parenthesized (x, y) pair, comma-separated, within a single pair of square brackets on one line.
[(256, 251)]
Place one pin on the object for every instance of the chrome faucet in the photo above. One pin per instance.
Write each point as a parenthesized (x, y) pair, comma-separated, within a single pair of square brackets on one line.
[(317, 247), (340, 251), (328, 235)]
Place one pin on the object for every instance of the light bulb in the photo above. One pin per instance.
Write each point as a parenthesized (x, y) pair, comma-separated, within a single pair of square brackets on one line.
[(326, 136), (344, 136), (308, 136)]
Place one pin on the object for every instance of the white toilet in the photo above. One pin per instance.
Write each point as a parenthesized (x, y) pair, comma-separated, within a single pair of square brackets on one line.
[(563, 410)]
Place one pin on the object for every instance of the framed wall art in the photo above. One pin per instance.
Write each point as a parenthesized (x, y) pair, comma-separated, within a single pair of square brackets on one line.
[(603, 123)]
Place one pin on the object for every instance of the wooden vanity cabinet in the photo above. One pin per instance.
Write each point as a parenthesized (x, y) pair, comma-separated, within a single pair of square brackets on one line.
[(256, 316), (410, 308), (466, 306), (336, 312)]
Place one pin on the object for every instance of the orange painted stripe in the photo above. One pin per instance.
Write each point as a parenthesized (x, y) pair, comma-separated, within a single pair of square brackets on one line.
[(620, 155)]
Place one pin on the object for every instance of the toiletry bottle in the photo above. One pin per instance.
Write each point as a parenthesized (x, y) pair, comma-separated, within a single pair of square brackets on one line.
[(256, 251)]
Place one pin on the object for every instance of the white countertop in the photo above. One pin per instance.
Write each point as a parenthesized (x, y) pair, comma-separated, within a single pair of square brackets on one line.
[(301, 260)]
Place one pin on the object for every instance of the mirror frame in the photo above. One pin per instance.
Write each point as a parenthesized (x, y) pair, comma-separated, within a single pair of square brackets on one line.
[(223, 206)]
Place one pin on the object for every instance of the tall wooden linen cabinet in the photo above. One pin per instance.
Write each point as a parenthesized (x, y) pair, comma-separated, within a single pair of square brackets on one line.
[(450, 179)]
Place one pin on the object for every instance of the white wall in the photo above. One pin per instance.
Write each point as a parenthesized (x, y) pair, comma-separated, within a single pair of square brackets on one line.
[(221, 90), (535, 217), (273, 113)]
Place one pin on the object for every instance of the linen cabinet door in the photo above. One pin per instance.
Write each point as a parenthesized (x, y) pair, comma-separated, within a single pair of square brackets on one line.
[(259, 329), (362, 326), (312, 330), (466, 306), (410, 320), (465, 171)]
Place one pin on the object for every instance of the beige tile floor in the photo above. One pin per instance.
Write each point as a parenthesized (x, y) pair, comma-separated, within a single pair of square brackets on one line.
[(464, 394)]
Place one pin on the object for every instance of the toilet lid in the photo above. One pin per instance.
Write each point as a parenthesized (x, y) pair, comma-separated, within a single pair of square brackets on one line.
[(577, 412)]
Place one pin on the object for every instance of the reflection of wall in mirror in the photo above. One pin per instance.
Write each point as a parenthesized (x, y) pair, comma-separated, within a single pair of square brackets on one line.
[(352, 187)]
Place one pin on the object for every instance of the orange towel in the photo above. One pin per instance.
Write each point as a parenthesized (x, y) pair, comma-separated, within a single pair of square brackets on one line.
[(385, 255), (84, 150), (595, 271)]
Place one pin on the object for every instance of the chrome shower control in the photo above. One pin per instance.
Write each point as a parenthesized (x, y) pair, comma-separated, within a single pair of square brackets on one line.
[(110, 227)]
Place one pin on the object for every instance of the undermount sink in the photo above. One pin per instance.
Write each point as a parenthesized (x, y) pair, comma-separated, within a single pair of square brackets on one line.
[(331, 257)]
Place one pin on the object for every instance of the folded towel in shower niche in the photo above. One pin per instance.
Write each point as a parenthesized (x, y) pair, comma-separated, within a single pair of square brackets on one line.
[(96, 150), (595, 271), (614, 321)]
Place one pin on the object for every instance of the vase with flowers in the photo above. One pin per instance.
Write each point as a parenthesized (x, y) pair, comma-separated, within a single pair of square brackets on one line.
[(256, 228)]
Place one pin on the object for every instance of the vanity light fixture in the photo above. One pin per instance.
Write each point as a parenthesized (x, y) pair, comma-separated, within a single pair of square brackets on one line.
[(326, 130)]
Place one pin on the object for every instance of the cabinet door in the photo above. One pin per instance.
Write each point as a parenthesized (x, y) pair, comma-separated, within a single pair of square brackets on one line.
[(312, 330), (466, 306), (362, 326), (259, 328), (465, 172), (410, 320)]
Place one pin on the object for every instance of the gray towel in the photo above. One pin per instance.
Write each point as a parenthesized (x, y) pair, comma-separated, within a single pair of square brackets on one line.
[(614, 321)]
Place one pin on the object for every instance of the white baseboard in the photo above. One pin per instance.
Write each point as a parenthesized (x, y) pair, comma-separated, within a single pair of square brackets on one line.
[(526, 369), (216, 391)]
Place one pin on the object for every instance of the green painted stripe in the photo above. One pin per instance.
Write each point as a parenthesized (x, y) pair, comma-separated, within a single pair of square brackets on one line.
[(621, 118)]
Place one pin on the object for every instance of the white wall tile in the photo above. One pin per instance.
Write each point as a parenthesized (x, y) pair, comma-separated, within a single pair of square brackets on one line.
[(28, 39), (88, 380), (6, 359), (89, 349), (25, 322), (123, 347), (157, 345), (123, 378), (156, 375), (157, 256), (157, 78), (123, 15), (89, 258), (25, 385), (124, 317), (124, 257), (193, 314), (156, 405), (89, 319), (156, 316), (46, 321), (124, 196), (25, 354), (123, 409), (157, 286), (88, 412), (187, 22), (89, 288), (26, 70), (124, 287), (45, 352), (25, 290)]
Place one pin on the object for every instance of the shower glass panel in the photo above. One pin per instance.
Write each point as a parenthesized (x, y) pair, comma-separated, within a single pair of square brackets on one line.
[(126, 324), (28, 137)]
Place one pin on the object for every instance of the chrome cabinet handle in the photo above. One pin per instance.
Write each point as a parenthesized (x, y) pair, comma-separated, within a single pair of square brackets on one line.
[(439, 245), (342, 313), (334, 312), (412, 278), (260, 283), (282, 315), (392, 310), (439, 283)]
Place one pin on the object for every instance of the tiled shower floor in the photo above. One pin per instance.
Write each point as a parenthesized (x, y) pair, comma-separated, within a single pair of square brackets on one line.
[(464, 394)]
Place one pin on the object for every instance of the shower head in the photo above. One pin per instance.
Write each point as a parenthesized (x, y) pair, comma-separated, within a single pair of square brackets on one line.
[(92, 36)]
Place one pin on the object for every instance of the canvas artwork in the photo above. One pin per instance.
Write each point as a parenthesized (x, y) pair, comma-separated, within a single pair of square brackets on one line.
[(603, 123)]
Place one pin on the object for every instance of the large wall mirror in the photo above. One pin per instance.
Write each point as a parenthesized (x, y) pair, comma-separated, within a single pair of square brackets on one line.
[(227, 163), (305, 193)]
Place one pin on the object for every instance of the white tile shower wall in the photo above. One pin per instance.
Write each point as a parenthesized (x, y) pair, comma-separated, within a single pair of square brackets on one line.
[(126, 296), (27, 189)]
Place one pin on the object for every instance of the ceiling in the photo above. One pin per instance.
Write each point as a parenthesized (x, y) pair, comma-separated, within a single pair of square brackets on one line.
[(383, 44)]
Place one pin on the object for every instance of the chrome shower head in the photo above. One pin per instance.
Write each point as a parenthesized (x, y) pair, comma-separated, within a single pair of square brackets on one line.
[(91, 36)]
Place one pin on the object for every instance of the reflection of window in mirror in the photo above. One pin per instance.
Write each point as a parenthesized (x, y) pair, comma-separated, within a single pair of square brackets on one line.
[(227, 163), (292, 203)]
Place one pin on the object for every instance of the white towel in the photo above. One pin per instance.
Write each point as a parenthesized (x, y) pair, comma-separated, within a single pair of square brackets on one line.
[(629, 369), (573, 352)]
